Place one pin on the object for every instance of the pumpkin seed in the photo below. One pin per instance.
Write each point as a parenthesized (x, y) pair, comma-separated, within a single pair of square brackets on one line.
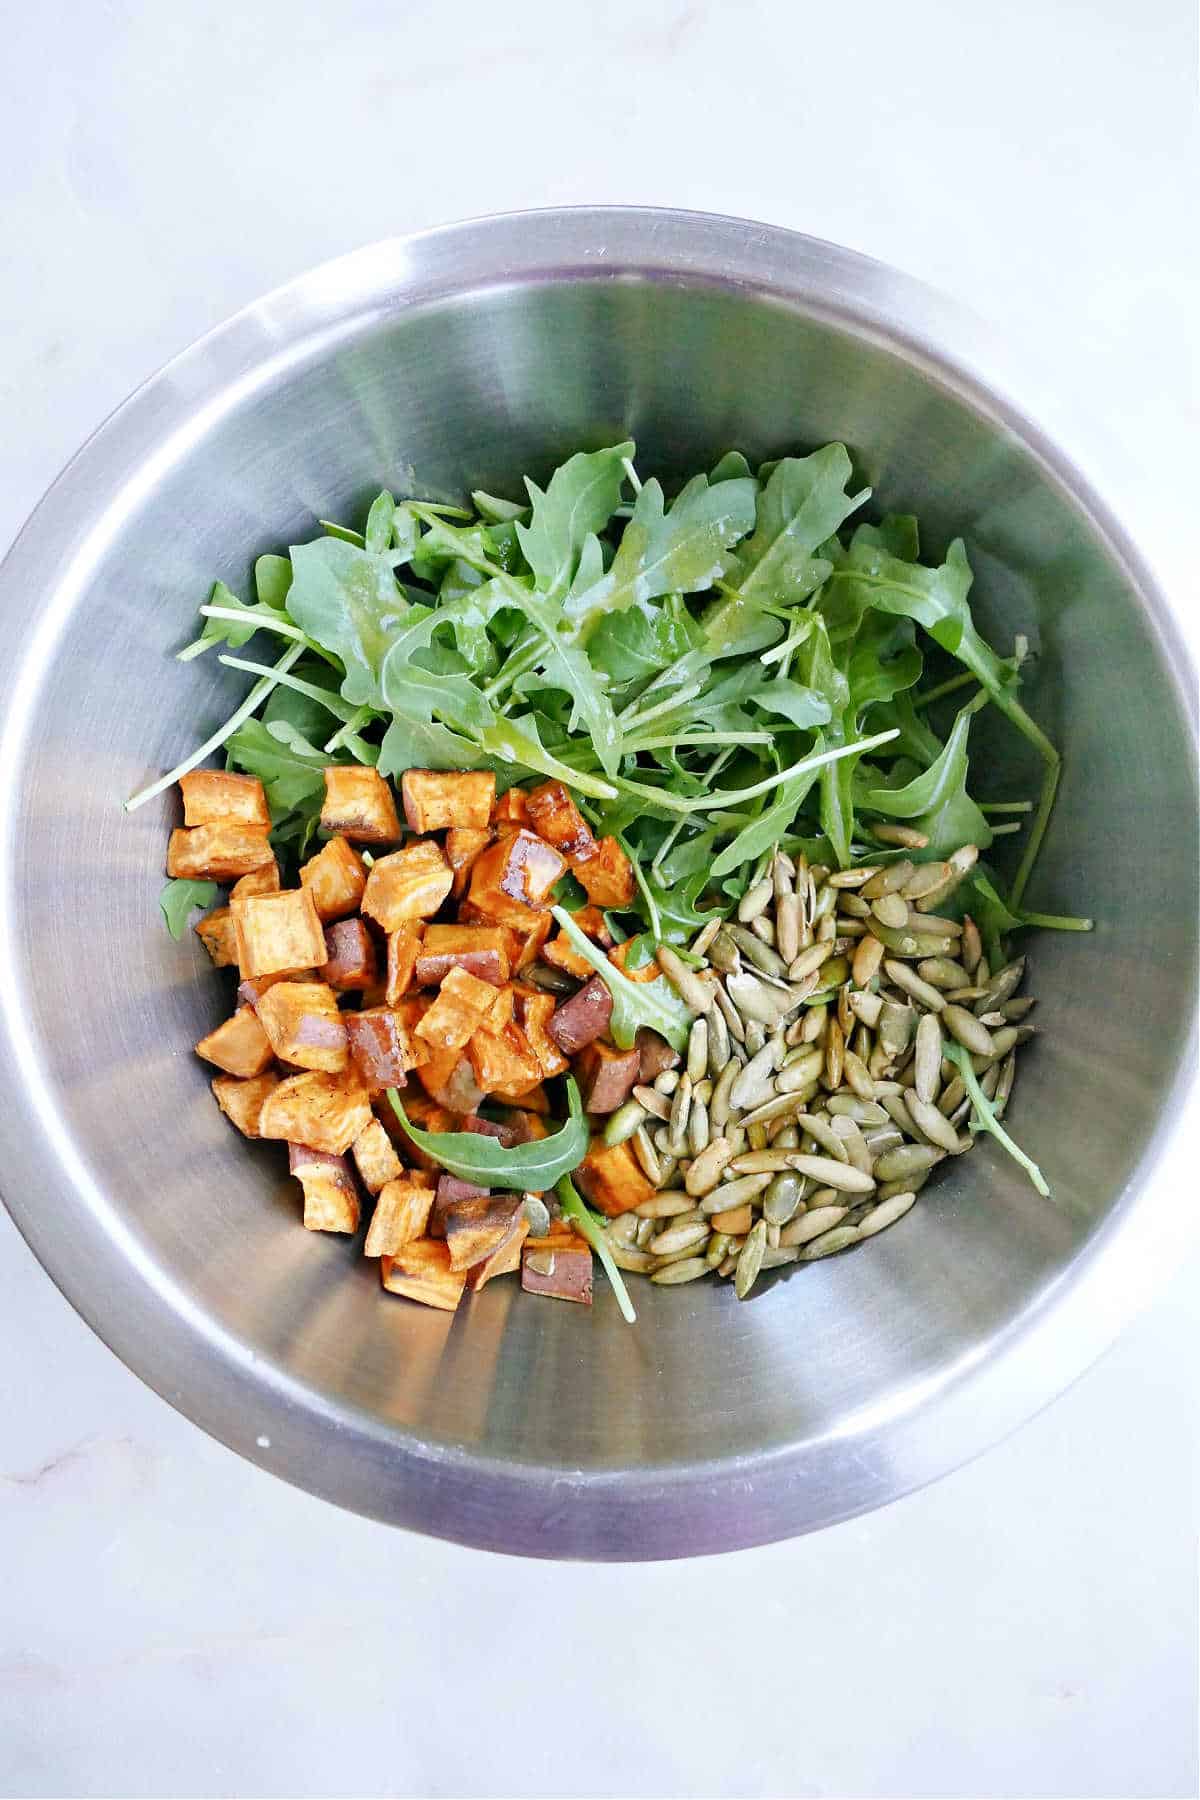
[(867, 1007), (634, 1262), (676, 1273), (809, 961), (763, 929), (691, 990), (709, 1166), (624, 1122), (761, 1162), (832, 1173), (907, 1160), (889, 1189), (774, 1257), (756, 952), (835, 1048), (952, 1096), (829, 1243), (811, 1225), (756, 1037), (681, 1106), (666, 1205), (755, 1001), (928, 877), (782, 1197), (1004, 1085), (930, 997), (755, 900), (755, 1079), (896, 1027), (867, 1112), (647, 1156), (889, 880), (717, 1249), (886, 1213), (852, 906), (930, 1122), (718, 1042), (867, 958), (811, 1025), (789, 922), (881, 1138), (645, 1231), (750, 1260), (782, 1106), (906, 836), (927, 1070), (727, 1194), (891, 910), (538, 1214), (698, 1129), (721, 1104), (913, 943), (972, 945), (621, 1230), (941, 973), (857, 1075), (702, 943), (821, 1132), (1016, 1010), (965, 1027), (697, 1052), (667, 1082), (852, 878), (723, 953), (856, 1144), (682, 1236)]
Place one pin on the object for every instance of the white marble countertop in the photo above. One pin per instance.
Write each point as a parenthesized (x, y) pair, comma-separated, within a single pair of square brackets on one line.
[(173, 1620)]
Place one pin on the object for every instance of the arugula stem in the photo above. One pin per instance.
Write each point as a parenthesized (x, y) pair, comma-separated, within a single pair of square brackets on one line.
[(1057, 922), (574, 1208), (340, 709), (1003, 830), (636, 719), (1005, 806), (943, 688), (281, 626), (519, 663), (692, 739), (733, 796), (655, 917), (246, 710), (349, 729), (986, 1120), (635, 480)]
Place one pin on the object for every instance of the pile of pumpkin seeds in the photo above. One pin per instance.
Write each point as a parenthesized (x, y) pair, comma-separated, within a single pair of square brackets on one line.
[(817, 1096)]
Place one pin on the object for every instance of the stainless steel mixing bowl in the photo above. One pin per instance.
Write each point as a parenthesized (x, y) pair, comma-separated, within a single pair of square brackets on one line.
[(461, 359)]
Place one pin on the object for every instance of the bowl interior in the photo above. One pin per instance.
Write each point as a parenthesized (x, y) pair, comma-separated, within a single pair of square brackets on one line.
[(184, 1242)]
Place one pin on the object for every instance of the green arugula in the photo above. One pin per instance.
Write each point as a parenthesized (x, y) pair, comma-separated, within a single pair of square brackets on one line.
[(179, 900), (534, 1167), (635, 1003)]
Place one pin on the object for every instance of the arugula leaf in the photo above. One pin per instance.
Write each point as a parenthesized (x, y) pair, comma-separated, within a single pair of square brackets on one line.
[(497, 512), (378, 534), (635, 1003), (179, 900), (291, 769), (347, 600), (238, 630), (770, 826), (985, 1118), (273, 581), (937, 799), (581, 498), (802, 504), (533, 1167)]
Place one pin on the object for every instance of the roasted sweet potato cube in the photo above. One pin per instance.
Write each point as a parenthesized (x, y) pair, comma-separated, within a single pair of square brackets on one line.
[(435, 802), (560, 1272), (655, 1055), (524, 1126), (619, 957), (351, 962), (582, 1018), (479, 949), (560, 953), (527, 939), (463, 1002), (474, 1228), (409, 884), (606, 1076), (336, 877), (505, 1259), (359, 806), (736, 1220), (554, 816), (450, 1191), (331, 1200), (514, 876), (266, 880), (449, 1080), (325, 1112), (216, 933), (534, 1010), (242, 1101), (421, 1271), (511, 809), (213, 796), (462, 846), (503, 1009), (379, 1047), (533, 1100), (374, 1157), (403, 949), (607, 874), (251, 991), (302, 1021), (277, 933), (240, 1046), (503, 1061), (401, 1214), (611, 1178), (218, 852), (428, 1116)]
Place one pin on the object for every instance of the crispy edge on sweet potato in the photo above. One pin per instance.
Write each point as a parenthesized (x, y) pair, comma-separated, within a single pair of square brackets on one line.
[(239, 1046), (505, 1259), (218, 852), (401, 1214), (359, 805), (336, 877), (375, 1157), (215, 796), (514, 877), (607, 874), (302, 1021), (611, 1178), (462, 846), (241, 1100), (265, 880), (324, 1112), (534, 1010), (463, 1003), (409, 884), (555, 817), (331, 1201), (437, 802), (421, 1271), (215, 931), (480, 949)]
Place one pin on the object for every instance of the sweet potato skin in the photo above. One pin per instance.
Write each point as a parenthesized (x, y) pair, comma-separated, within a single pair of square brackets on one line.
[(379, 1047), (479, 949), (302, 1022), (359, 806), (435, 802), (351, 962), (606, 1076), (582, 1018), (331, 1201)]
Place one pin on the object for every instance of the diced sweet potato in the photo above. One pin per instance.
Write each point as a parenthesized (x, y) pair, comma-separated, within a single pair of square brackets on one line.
[(331, 1200), (449, 1080), (505, 1259), (242, 1101), (480, 949), (409, 884), (434, 802), (239, 1046), (582, 1018), (535, 1100), (462, 846), (611, 1178), (560, 953), (351, 961), (511, 809), (401, 1214), (218, 852), (534, 1010), (336, 877), (251, 991), (606, 1076), (428, 1116), (474, 1228), (736, 1220), (216, 933), (302, 1021), (463, 1003), (412, 1010), (503, 1009), (266, 880), (421, 1271), (528, 938), (607, 874), (523, 1125), (655, 1055), (325, 1112), (277, 933), (213, 796), (451, 1190), (560, 1273), (359, 806), (492, 1128), (379, 1047), (555, 817), (403, 949), (619, 956), (504, 1062), (374, 1157), (514, 876)]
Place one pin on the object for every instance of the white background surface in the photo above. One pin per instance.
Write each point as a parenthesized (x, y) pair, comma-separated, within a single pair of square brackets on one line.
[(171, 1619)]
